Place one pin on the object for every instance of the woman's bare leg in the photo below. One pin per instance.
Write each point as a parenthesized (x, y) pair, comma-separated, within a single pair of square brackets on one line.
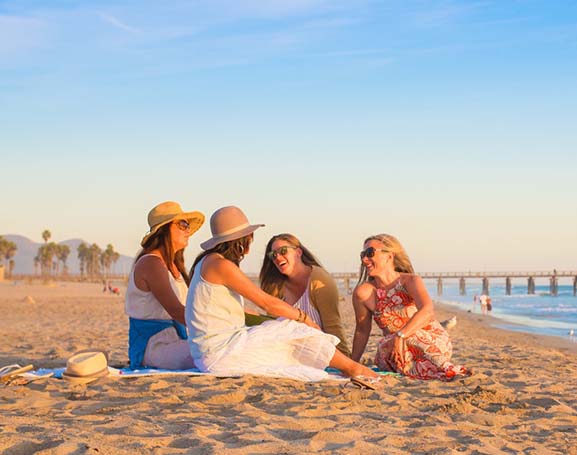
[(349, 367)]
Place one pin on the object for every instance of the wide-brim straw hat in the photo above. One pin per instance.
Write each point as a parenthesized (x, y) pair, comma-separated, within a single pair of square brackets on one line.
[(86, 366), (167, 212), (226, 224)]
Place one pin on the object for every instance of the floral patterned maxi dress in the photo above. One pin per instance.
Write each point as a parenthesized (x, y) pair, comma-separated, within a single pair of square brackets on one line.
[(428, 351)]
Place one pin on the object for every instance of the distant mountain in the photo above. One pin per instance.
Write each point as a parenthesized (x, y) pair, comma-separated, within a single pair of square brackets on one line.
[(27, 250)]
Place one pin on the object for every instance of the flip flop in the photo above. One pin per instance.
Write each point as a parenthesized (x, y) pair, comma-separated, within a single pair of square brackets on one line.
[(366, 382)]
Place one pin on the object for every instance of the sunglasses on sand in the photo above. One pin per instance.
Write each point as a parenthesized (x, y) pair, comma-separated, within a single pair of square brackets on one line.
[(183, 225), (370, 252), (282, 251)]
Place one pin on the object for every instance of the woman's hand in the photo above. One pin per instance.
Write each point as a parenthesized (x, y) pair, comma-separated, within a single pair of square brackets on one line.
[(398, 352)]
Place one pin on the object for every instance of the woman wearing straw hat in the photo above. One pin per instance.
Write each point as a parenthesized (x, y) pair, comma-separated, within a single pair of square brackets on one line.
[(221, 343), (157, 290)]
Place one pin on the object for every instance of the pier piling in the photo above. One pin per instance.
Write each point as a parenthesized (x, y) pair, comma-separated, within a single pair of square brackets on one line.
[(462, 289), (508, 286), (530, 285), (553, 285), (439, 286), (485, 285)]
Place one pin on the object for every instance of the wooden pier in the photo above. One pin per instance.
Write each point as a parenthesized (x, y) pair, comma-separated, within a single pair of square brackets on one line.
[(553, 276)]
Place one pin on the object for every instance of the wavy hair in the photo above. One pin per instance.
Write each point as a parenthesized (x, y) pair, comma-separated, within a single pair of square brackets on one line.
[(271, 280), (401, 260), (162, 242), (233, 250)]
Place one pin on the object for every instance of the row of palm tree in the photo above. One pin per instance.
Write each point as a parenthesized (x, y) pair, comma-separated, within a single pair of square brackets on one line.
[(7, 252), (93, 261)]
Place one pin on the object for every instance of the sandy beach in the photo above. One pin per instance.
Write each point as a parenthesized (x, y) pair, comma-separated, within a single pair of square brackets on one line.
[(520, 399)]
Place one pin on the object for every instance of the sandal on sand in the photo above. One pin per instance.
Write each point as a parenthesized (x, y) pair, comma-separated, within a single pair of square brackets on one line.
[(365, 382)]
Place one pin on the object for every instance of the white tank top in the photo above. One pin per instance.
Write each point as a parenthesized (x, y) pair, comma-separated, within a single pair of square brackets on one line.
[(305, 304), (214, 318), (141, 304)]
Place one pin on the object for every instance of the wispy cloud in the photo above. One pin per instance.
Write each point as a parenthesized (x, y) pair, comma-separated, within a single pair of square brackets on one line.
[(117, 23)]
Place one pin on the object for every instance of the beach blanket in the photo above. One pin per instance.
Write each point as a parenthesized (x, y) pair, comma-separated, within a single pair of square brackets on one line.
[(126, 373)]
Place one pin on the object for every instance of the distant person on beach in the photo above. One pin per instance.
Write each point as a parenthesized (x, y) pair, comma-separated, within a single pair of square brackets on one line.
[(414, 343), (292, 273), (221, 343), (483, 302), (157, 289), (489, 304)]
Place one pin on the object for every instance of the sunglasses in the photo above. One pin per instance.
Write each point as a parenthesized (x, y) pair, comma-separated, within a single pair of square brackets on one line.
[(282, 251), (370, 252), (183, 225)]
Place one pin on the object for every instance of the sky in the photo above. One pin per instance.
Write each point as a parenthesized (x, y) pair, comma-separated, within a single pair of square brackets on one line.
[(449, 124)]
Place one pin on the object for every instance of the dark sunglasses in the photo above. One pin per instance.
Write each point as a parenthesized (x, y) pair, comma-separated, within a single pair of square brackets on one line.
[(370, 252), (183, 225), (282, 251)]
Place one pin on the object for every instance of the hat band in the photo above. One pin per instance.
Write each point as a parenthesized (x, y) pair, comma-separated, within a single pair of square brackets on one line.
[(73, 375), (231, 231)]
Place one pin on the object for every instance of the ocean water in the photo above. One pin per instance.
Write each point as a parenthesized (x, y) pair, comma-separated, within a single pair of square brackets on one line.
[(539, 313)]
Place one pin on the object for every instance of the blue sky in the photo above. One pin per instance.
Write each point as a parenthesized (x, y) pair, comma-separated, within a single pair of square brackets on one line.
[(449, 124)]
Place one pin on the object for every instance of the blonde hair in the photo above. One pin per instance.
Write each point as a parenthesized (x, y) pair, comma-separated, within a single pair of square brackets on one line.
[(401, 260), (271, 280)]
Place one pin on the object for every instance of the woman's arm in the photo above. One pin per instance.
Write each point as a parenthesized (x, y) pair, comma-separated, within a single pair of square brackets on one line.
[(151, 275), (325, 297), (219, 270), (425, 311), (363, 303)]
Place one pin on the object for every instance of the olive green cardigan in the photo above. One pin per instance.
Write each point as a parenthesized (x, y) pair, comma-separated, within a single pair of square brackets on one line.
[(324, 295)]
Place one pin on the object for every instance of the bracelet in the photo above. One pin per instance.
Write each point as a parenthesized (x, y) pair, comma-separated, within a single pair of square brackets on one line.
[(400, 334), (299, 317)]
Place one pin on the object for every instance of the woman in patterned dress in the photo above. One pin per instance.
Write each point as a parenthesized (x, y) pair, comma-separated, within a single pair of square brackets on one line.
[(414, 343), (292, 273)]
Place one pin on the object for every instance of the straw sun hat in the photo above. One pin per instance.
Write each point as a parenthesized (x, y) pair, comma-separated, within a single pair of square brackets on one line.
[(167, 212), (86, 366), (228, 223)]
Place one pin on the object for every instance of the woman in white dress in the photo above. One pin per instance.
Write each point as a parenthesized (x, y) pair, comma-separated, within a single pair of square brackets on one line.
[(220, 342), (157, 290)]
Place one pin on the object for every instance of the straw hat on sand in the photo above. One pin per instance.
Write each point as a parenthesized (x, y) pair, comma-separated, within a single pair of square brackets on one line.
[(86, 366)]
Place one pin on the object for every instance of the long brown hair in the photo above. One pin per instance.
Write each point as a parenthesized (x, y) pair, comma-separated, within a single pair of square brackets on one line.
[(233, 250), (271, 280), (401, 260), (162, 242)]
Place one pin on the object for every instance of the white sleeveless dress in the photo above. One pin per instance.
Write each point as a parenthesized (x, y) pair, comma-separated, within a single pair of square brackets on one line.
[(220, 342)]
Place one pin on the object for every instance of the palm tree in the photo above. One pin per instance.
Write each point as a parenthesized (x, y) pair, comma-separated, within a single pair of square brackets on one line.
[(62, 255), (94, 256), (46, 234), (108, 258), (10, 249), (3, 247), (82, 251)]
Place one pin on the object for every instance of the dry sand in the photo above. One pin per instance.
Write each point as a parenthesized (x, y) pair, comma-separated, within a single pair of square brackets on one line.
[(520, 399)]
